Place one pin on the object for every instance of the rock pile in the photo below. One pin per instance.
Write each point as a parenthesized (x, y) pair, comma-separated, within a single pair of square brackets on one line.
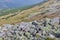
[(35, 30)]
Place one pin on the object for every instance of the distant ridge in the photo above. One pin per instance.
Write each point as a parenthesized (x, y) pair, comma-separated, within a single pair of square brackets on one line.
[(5, 11), (17, 3)]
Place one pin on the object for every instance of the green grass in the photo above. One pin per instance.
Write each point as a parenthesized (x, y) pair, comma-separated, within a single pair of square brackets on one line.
[(13, 10), (49, 38)]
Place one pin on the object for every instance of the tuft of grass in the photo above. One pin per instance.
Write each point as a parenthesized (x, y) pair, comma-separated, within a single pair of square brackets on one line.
[(49, 38)]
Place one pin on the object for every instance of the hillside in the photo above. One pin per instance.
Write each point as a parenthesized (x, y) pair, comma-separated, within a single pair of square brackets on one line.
[(38, 22), (49, 9)]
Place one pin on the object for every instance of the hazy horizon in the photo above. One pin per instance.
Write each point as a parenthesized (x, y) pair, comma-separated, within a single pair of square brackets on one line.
[(18, 3)]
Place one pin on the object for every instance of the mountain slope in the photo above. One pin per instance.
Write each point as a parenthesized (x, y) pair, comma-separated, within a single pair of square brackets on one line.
[(5, 11), (48, 9)]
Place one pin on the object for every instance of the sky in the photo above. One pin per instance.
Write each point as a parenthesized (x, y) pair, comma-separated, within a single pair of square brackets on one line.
[(18, 3)]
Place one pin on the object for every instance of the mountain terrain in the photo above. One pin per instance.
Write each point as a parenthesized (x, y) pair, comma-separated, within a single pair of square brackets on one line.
[(49, 9), (36, 22)]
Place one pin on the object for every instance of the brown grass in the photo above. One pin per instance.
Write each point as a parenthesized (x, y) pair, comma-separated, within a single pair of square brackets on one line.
[(23, 16)]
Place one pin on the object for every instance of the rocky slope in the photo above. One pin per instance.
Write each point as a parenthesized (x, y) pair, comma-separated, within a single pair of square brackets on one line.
[(41, 22), (44, 29)]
